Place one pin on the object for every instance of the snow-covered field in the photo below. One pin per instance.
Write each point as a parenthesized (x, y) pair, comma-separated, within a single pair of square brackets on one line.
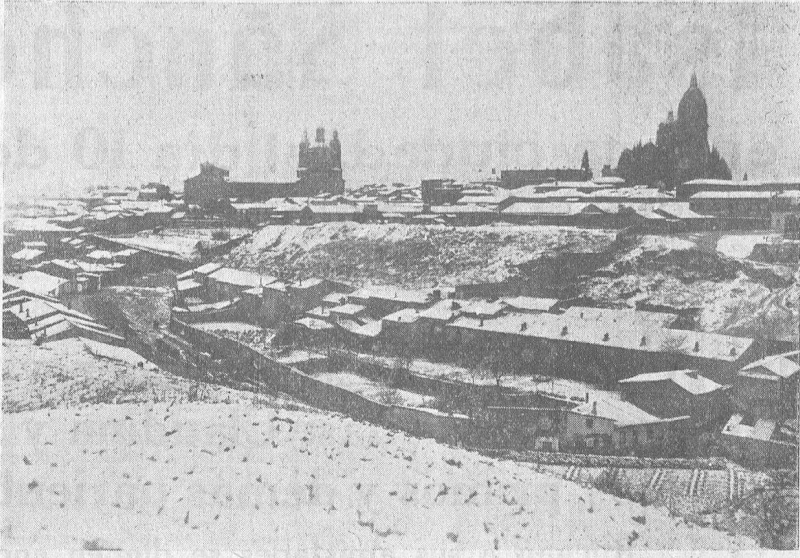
[(210, 475)]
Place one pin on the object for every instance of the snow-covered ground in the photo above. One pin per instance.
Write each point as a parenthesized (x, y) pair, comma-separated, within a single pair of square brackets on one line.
[(409, 255), (72, 372), (741, 245), (524, 383), (207, 477), (374, 390), (153, 473)]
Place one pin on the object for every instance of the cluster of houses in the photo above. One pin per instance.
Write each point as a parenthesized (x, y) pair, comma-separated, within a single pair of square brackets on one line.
[(29, 313), (701, 204), (671, 382)]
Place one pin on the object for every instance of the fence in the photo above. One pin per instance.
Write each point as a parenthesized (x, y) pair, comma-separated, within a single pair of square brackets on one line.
[(259, 369)]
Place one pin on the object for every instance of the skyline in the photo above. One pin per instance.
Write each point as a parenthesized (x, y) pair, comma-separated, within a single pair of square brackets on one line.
[(470, 87)]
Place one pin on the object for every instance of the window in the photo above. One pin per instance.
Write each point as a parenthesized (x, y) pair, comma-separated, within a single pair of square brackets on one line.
[(589, 423)]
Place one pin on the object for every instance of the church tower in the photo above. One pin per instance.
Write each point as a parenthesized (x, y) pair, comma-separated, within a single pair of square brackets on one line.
[(693, 152), (336, 150), (303, 159)]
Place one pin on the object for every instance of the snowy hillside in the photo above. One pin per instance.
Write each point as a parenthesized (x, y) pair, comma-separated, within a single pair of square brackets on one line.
[(165, 472), (409, 255)]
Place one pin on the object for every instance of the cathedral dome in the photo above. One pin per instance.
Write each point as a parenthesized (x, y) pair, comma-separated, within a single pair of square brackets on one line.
[(692, 109)]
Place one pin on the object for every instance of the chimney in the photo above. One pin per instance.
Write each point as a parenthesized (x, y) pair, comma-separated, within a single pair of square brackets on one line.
[(594, 408), (643, 342), (606, 337), (697, 346), (523, 326), (587, 396), (481, 322), (733, 351), (564, 331)]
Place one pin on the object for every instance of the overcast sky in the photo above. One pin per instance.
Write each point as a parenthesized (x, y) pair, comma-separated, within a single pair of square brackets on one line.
[(129, 93)]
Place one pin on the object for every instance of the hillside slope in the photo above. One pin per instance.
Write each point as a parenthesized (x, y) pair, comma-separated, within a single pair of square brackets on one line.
[(733, 295), (410, 255), (210, 475)]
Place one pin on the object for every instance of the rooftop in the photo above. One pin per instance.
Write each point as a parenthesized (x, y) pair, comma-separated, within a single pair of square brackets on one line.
[(634, 336), (241, 278), (529, 303), (783, 365), (621, 412), (688, 380)]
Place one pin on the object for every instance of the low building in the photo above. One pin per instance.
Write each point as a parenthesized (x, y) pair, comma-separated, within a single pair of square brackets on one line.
[(226, 283), (768, 387), (738, 208), (760, 442), (581, 348), (688, 189), (381, 301), (601, 426), (45, 284), (676, 393)]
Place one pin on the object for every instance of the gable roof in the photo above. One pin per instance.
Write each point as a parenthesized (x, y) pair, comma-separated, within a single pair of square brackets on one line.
[(783, 365), (688, 380)]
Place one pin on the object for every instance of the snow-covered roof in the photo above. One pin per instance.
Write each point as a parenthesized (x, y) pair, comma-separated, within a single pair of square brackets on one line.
[(335, 298), (760, 429), (713, 195), (530, 303), (621, 412), (392, 294), (444, 310), (483, 308), (616, 317), (631, 335), (43, 283), (372, 328), (207, 268), (406, 316), (347, 309), (688, 380), (313, 323), (784, 365), (307, 283), (241, 278), (27, 254), (187, 285), (523, 208)]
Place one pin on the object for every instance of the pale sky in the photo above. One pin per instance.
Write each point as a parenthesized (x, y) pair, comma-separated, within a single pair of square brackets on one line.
[(124, 94)]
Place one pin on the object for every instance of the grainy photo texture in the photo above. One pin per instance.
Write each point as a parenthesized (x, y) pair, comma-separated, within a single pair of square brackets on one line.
[(308, 278)]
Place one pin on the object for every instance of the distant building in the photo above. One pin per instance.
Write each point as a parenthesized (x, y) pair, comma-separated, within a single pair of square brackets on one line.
[(207, 187), (319, 171), (154, 192), (687, 189), (440, 191), (319, 168), (517, 178)]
